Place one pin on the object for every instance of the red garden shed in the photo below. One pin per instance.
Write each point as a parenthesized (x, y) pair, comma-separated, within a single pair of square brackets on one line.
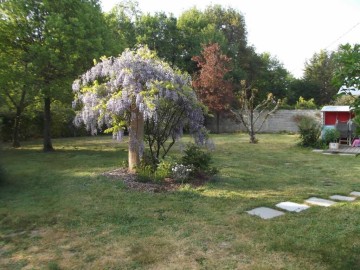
[(339, 117), (333, 114)]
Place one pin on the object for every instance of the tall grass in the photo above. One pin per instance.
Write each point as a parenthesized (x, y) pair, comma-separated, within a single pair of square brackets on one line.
[(58, 212)]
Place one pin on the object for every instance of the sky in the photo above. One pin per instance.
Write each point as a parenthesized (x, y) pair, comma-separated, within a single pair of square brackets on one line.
[(290, 30)]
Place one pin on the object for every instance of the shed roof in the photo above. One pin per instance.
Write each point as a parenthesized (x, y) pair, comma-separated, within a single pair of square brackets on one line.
[(335, 109)]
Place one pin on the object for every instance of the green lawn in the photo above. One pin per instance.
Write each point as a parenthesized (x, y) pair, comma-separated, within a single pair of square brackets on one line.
[(58, 212)]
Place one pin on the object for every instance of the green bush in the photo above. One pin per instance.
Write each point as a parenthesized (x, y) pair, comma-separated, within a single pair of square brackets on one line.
[(331, 135), (303, 104), (150, 172), (195, 165), (200, 161), (344, 100), (145, 173), (309, 129), (164, 169)]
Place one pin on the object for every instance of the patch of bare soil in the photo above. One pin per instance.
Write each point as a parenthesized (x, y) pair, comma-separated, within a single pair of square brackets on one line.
[(130, 180), (167, 185)]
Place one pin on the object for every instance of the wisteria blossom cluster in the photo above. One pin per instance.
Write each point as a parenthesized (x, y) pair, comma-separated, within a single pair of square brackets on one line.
[(107, 92)]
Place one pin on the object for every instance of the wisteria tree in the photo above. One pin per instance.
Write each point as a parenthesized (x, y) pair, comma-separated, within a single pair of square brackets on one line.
[(130, 90)]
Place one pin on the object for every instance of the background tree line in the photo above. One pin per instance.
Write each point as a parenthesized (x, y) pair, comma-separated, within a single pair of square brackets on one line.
[(45, 45)]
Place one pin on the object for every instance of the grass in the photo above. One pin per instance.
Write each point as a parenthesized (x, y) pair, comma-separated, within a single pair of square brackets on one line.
[(58, 212)]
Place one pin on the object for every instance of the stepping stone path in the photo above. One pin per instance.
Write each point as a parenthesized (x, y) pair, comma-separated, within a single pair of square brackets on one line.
[(319, 202), (265, 212), (269, 213), (342, 198), (292, 207)]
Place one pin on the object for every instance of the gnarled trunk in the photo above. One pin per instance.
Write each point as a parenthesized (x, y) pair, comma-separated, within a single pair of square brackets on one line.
[(136, 137)]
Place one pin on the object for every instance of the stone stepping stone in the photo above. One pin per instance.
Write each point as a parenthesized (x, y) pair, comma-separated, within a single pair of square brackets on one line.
[(320, 202), (265, 212), (355, 193), (292, 207), (342, 198)]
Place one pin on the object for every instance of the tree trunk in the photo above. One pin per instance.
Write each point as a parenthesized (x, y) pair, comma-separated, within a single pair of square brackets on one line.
[(252, 137), (15, 138), (252, 128), (217, 122), (47, 126), (136, 135)]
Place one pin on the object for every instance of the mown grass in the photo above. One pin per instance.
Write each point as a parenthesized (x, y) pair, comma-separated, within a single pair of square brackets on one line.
[(58, 212)]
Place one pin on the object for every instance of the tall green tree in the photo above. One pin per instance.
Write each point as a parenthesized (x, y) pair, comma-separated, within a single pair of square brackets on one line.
[(121, 20), (58, 39), (160, 33), (301, 88), (272, 76), (231, 24), (16, 90), (347, 72), (319, 70), (347, 68), (215, 24)]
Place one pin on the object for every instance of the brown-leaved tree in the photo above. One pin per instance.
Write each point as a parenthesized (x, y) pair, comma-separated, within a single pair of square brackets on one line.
[(210, 83)]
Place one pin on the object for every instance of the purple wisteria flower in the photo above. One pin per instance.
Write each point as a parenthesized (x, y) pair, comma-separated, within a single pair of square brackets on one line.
[(136, 78)]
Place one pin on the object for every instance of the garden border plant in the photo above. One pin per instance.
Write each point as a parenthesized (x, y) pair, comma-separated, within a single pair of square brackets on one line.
[(309, 130), (194, 166)]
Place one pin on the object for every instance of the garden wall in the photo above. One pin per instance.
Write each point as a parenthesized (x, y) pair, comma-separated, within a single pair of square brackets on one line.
[(280, 121)]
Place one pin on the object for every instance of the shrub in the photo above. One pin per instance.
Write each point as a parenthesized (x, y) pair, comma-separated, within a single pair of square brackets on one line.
[(331, 135), (303, 104), (344, 100), (150, 172), (309, 129), (200, 161), (164, 169), (195, 164)]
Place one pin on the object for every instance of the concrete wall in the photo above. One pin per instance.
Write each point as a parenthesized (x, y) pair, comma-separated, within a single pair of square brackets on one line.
[(281, 120)]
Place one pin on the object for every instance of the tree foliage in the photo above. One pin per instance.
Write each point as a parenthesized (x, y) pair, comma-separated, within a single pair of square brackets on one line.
[(348, 66), (131, 89), (319, 71), (160, 33), (301, 88), (121, 21), (271, 76), (57, 39), (348, 73), (210, 83), (15, 69)]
